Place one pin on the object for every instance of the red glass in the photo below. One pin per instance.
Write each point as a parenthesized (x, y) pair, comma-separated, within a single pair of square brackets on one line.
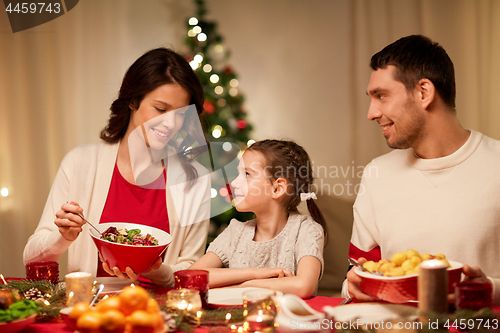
[(43, 270), (473, 295), (193, 279)]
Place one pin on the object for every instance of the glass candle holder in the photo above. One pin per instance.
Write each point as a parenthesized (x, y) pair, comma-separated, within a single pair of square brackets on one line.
[(184, 299), (78, 288), (43, 270), (193, 279), (259, 310), (473, 295)]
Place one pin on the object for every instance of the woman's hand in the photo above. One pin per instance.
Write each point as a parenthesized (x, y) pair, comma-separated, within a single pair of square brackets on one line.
[(275, 272), (129, 272), (68, 221)]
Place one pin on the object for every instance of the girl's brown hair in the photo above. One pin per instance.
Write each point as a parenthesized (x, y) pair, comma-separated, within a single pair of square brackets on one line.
[(288, 160), (152, 70)]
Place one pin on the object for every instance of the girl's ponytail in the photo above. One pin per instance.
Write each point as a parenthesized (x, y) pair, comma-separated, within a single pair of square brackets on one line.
[(317, 216)]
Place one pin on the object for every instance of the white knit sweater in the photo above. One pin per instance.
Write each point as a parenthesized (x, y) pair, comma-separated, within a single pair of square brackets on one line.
[(448, 205), (84, 177)]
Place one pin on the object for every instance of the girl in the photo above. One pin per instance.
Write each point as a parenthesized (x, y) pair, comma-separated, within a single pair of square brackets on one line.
[(274, 176), (100, 178)]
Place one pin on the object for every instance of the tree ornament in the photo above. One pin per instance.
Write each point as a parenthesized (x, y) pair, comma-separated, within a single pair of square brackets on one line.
[(242, 124)]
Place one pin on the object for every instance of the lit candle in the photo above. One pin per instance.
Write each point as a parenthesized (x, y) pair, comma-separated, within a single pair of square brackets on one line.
[(433, 287), (184, 299), (258, 322), (78, 288)]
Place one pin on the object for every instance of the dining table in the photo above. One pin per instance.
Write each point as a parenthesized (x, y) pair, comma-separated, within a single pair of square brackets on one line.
[(317, 303), (57, 324)]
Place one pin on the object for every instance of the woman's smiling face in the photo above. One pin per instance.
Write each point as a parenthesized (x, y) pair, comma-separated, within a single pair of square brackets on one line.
[(162, 103)]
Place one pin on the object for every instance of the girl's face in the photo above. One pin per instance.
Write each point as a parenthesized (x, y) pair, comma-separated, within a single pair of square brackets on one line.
[(253, 188), (161, 103)]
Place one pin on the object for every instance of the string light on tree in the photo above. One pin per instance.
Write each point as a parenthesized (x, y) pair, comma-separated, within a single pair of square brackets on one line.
[(223, 106)]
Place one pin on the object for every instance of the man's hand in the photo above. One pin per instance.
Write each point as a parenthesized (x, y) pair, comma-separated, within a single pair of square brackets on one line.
[(353, 281), (474, 274)]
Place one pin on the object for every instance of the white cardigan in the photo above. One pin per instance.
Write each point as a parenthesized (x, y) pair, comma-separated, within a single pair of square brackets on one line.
[(85, 177)]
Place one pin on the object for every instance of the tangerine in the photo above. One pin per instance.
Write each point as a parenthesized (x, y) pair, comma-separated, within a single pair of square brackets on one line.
[(142, 322), (78, 309), (132, 299), (153, 306), (111, 303), (89, 322), (113, 321)]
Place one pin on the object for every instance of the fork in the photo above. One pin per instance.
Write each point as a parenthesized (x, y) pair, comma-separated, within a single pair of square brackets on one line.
[(83, 218), (357, 264)]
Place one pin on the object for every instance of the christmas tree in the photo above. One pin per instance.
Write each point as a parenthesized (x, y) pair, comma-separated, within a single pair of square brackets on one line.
[(226, 126)]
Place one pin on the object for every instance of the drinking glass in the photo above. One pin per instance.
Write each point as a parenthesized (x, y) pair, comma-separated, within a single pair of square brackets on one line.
[(43, 270), (193, 279), (473, 295)]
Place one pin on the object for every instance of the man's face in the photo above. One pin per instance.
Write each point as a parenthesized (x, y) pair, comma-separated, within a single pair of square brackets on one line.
[(396, 110)]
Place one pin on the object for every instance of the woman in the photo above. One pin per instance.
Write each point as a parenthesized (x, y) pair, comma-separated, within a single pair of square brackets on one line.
[(101, 179)]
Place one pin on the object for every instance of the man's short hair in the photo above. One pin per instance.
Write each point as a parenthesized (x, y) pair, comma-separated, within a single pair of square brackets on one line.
[(417, 57)]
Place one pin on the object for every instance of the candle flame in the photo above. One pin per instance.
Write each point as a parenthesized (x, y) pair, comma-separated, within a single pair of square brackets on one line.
[(240, 329), (198, 314), (233, 327)]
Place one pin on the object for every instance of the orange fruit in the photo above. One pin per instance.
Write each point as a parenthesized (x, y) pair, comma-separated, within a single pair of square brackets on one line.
[(78, 310), (159, 321), (89, 322), (152, 306), (142, 322), (111, 303), (113, 321), (132, 299)]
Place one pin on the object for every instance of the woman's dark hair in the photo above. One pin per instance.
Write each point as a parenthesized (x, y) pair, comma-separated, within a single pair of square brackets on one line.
[(417, 57), (288, 160), (152, 70)]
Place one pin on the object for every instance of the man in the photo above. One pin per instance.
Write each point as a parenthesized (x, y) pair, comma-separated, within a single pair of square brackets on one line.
[(439, 191)]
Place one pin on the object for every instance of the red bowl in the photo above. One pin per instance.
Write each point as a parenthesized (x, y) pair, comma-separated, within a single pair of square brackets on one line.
[(139, 258), (17, 325), (401, 289)]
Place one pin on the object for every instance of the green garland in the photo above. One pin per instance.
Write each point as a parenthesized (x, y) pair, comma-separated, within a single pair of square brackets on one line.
[(56, 300)]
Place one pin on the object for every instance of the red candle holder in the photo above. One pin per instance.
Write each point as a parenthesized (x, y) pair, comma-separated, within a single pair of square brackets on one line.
[(193, 279), (43, 270), (473, 295)]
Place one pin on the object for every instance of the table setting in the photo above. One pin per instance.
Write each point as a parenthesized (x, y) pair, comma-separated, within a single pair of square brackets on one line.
[(45, 302)]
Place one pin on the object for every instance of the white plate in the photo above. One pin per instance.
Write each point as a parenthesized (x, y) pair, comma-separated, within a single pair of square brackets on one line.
[(371, 312), (226, 297), (112, 284)]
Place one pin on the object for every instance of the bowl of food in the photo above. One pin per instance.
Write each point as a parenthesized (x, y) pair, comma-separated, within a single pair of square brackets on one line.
[(128, 244), (397, 281)]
